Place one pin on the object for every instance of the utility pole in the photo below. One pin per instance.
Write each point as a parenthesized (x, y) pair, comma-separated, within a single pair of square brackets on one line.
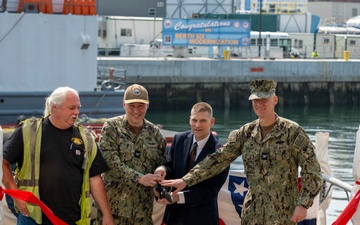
[(260, 23), (152, 12)]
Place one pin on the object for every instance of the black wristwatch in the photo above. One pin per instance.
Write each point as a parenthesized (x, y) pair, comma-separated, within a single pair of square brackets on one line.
[(305, 206)]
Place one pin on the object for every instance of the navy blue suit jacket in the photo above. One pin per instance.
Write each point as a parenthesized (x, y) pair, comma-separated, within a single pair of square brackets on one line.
[(200, 206)]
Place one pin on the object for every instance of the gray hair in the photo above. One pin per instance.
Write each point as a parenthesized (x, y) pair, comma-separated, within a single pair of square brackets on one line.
[(57, 97)]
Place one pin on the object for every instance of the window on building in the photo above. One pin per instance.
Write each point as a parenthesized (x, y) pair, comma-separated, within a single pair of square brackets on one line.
[(298, 43), (272, 8), (152, 11), (354, 12), (325, 40), (274, 42), (352, 42), (253, 42), (125, 32)]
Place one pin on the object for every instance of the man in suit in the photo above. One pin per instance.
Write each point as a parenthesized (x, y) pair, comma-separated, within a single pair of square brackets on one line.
[(196, 205)]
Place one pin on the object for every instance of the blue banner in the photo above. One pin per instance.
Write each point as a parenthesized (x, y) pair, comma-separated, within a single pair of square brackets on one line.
[(206, 32)]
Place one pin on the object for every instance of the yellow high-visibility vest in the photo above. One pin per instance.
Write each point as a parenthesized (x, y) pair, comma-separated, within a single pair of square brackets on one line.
[(27, 177)]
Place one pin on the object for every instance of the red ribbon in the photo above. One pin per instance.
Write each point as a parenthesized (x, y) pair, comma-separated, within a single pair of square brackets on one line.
[(349, 210), (32, 199)]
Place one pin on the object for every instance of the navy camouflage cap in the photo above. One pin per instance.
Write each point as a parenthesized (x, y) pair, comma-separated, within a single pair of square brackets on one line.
[(136, 93), (261, 89)]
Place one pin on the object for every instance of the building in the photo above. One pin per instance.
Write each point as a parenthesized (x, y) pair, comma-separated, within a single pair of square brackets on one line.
[(163, 8), (148, 8), (272, 6), (118, 35), (187, 8), (334, 12)]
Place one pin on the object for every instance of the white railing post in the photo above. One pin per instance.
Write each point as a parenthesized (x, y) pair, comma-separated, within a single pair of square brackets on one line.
[(322, 144), (356, 174)]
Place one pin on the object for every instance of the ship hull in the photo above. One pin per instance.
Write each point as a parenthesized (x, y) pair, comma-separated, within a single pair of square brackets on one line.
[(96, 104)]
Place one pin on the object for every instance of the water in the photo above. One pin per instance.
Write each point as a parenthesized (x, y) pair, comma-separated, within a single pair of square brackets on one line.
[(341, 122)]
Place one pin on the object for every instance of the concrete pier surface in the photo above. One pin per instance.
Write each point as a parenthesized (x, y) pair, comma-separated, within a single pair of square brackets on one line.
[(182, 81), (206, 70)]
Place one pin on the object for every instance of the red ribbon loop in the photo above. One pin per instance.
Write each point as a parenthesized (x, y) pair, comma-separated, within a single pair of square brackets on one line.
[(349, 211), (31, 198)]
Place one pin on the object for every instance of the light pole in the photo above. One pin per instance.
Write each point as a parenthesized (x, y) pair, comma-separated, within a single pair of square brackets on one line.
[(152, 12), (260, 22), (346, 42)]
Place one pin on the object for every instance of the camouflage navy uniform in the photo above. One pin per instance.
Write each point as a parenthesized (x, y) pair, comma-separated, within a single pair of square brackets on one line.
[(129, 157), (271, 166)]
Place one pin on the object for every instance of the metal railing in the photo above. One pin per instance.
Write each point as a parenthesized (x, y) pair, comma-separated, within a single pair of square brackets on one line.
[(117, 83), (338, 183)]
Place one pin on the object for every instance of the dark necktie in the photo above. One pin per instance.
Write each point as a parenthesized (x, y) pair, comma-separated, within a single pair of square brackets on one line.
[(192, 156)]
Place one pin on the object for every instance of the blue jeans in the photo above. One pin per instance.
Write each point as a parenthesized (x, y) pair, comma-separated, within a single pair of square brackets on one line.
[(25, 220), (10, 203)]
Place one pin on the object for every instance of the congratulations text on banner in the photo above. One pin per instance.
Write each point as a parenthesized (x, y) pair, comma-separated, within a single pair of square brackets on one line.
[(206, 32)]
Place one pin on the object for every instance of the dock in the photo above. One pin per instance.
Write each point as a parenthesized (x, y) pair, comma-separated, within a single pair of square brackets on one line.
[(180, 82)]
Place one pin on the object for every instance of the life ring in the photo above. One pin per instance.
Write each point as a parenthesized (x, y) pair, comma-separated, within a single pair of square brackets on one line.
[(107, 85), (110, 85)]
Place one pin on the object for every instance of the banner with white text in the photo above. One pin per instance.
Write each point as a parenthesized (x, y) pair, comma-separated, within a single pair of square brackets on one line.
[(206, 32)]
